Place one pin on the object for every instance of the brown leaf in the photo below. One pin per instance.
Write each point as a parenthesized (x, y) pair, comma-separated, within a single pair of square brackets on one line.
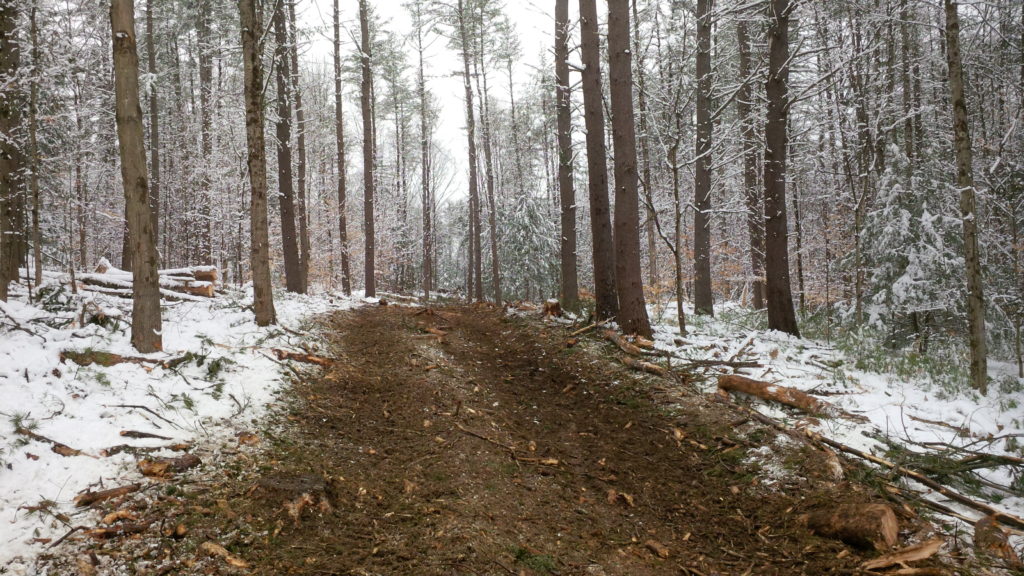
[(248, 439), (409, 487)]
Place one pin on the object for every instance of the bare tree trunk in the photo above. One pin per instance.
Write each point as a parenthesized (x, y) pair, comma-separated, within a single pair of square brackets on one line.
[(968, 203), (369, 144), (566, 192), (146, 325), (259, 254), (289, 239), (300, 143), (206, 126), (703, 299), (33, 123), (485, 121), (339, 133), (476, 283), (755, 207), (426, 198), (154, 128), (779, 295), (605, 288), (10, 151), (628, 274), (645, 154)]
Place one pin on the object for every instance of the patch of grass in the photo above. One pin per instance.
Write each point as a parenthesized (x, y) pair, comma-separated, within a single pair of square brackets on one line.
[(542, 563)]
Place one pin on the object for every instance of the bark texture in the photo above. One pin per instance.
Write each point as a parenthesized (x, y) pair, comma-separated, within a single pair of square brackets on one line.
[(566, 191), (628, 274), (605, 289), (339, 135), (779, 294), (259, 253), (146, 325), (475, 285), (968, 203), (366, 101), (703, 300), (751, 192), (10, 152), (286, 198)]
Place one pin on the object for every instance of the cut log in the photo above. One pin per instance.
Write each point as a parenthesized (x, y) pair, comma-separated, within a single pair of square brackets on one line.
[(914, 553), (175, 284), (861, 525), (90, 498), (300, 357), (623, 344), (781, 394), (645, 366), (552, 308), (163, 467), (989, 538)]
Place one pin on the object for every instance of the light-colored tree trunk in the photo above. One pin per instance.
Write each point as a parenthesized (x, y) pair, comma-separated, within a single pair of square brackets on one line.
[(146, 324), (968, 203), (259, 253), (628, 274), (205, 127)]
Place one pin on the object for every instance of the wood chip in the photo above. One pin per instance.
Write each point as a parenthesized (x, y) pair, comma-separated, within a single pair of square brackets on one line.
[(657, 548), (914, 553)]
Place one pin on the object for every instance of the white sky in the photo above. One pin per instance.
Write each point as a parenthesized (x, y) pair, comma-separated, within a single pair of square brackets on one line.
[(533, 20)]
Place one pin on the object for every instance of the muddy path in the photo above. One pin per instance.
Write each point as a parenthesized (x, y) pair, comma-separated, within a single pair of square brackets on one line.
[(496, 449), (459, 442)]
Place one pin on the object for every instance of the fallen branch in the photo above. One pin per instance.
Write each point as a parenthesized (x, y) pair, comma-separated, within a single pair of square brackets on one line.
[(305, 358), (57, 447), (708, 363), (90, 498), (586, 329), (623, 344), (141, 435), (645, 366), (163, 467), (781, 394), (1001, 517), (145, 408), (118, 530), (108, 359)]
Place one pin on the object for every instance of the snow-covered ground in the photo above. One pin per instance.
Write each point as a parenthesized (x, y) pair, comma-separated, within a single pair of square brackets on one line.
[(916, 414), (222, 390)]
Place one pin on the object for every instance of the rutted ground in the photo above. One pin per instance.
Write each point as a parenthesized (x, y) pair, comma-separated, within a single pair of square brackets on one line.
[(498, 449)]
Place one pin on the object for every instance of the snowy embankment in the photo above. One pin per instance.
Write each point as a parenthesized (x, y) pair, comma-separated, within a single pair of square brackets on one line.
[(223, 385), (903, 419)]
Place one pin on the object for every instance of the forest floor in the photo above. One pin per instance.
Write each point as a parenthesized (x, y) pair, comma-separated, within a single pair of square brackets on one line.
[(460, 441)]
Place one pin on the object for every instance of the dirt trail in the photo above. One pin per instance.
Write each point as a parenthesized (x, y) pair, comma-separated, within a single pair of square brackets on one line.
[(458, 442), (494, 449)]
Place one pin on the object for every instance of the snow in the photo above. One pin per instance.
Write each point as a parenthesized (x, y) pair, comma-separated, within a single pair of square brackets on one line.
[(896, 410), (204, 404)]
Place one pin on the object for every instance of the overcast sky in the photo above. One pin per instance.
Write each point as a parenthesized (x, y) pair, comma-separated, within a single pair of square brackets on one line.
[(534, 23)]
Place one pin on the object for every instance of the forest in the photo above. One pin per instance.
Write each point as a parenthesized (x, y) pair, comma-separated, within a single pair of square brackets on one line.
[(710, 186)]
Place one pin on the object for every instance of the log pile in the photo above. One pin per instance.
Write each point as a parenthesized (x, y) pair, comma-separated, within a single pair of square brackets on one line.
[(194, 283)]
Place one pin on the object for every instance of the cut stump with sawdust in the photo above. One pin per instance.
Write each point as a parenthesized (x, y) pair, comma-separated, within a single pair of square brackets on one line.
[(861, 525)]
